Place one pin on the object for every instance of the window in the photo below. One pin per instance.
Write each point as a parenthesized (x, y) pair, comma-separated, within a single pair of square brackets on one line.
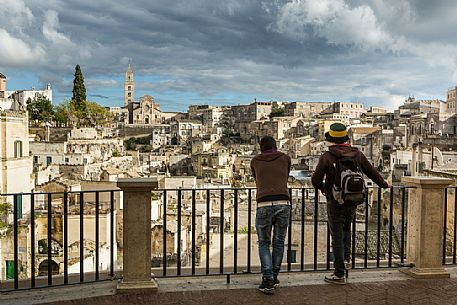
[(18, 149), (67, 160), (129, 88), (129, 94), (48, 160)]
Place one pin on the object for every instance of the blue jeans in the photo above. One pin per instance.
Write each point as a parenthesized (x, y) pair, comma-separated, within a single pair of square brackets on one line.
[(268, 218), (340, 219)]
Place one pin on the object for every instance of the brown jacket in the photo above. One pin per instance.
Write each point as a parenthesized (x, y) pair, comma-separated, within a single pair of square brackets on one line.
[(325, 168), (271, 172)]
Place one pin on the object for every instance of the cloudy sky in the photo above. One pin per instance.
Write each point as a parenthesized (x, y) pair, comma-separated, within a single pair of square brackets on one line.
[(231, 51)]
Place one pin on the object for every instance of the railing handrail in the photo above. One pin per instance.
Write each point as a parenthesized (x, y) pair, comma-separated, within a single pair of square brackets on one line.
[(180, 188)]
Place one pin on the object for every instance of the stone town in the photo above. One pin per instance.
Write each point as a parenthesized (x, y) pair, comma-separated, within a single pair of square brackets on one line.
[(206, 148)]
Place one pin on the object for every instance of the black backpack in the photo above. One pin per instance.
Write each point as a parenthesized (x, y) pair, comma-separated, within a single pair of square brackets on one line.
[(348, 185)]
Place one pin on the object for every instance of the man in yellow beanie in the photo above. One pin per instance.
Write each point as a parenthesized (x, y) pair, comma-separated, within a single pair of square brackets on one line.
[(341, 210)]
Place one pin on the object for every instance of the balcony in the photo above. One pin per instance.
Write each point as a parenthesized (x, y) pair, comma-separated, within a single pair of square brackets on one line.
[(192, 253)]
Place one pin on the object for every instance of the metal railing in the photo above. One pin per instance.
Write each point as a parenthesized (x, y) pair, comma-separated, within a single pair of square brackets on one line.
[(450, 226), (58, 231), (196, 232), (378, 232)]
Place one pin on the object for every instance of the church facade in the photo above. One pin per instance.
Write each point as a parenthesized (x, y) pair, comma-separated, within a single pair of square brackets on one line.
[(144, 112)]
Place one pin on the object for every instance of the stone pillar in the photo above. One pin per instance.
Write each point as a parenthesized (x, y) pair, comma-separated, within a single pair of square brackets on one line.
[(425, 226), (137, 234)]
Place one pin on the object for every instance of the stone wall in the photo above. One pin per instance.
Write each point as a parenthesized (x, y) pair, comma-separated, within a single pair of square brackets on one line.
[(135, 130)]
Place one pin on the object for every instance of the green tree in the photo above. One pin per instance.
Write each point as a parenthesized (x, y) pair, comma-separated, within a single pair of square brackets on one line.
[(97, 115), (277, 112), (146, 148), (130, 144), (79, 90), (40, 110), (62, 114)]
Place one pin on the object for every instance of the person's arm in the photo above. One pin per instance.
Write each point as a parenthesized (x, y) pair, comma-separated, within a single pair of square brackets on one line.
[(372, 173), (289, 165), (318, 176)]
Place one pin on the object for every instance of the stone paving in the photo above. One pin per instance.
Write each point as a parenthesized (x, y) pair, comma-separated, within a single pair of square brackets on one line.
[(386, 286)]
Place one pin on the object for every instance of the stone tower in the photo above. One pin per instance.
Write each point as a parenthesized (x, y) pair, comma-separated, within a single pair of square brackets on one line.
[(129, 87)]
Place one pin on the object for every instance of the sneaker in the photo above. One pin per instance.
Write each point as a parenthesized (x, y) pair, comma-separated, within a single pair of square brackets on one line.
[(347, 264), (276, 282), (267, 286), (334, 279)]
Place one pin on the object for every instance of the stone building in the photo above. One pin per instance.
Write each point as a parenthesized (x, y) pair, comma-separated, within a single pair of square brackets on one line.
[(16, 165), (451, 100), (7, 102), (129, 87), (161, 135), (146, 111), (298, 147), (413, 107), (241, 116), (215, 163), (184, 130), (277, 127), (369, 141), (252, 112), (305, 109), (22, 96), (208, 115), (212, 116), (347, 109), (2, 85), (120, 116)]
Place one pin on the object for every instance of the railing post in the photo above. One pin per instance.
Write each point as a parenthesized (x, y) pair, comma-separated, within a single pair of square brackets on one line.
[(137, 234), (425, 226)]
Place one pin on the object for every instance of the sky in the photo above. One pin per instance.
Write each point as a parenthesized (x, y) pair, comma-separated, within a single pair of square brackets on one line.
[(230, 52)]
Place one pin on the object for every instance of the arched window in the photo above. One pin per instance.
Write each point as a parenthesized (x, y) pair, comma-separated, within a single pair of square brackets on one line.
[(18, 149)]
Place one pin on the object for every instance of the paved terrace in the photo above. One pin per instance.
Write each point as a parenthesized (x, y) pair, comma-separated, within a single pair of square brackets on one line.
[(381, 286)]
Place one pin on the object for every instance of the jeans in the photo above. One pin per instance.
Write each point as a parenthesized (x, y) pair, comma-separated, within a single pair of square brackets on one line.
[(268, 218), (340, 219)]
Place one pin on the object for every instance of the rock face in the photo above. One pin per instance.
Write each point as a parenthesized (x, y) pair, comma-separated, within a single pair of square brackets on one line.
[(372, 244)]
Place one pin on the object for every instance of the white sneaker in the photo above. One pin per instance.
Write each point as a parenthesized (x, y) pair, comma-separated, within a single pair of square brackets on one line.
[(339, 280)]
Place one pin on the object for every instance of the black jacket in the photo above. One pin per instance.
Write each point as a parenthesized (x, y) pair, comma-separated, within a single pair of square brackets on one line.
[(325, 168)]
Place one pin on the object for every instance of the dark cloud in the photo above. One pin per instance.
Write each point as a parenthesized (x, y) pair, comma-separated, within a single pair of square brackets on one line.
[(99, 96), (214, 50)]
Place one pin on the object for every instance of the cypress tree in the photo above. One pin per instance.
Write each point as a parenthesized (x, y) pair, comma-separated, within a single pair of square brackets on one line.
[(79, 90)]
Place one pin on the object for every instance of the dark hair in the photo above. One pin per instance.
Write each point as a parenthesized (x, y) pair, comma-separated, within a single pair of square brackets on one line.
[(267, 143)]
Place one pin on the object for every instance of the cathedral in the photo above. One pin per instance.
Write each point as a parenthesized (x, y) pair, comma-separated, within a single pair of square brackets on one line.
[(146, 111)]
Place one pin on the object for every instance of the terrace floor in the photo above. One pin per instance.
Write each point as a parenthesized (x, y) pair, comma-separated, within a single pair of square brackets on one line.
[(375, 286)]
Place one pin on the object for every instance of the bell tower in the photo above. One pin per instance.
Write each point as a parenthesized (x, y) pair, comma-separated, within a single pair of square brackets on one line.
[(129, 87)]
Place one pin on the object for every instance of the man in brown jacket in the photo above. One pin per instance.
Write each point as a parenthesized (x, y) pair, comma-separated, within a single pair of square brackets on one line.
[(271, 171), (340, 216)]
